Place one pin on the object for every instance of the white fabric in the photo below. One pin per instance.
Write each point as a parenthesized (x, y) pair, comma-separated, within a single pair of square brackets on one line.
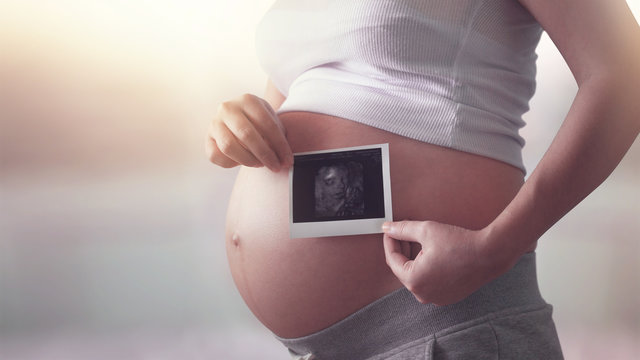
[(455, 73), (295, 356)]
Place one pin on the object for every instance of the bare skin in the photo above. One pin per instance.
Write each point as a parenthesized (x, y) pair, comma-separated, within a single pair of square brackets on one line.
[(299, 286), (600, 40), (480, 216)]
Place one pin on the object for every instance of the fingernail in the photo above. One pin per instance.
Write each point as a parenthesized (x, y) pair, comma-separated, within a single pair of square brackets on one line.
[(273, 164), (386, 226), (289, 161)]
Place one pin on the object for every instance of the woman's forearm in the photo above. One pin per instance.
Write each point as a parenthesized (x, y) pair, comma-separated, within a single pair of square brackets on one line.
[(600, 127)]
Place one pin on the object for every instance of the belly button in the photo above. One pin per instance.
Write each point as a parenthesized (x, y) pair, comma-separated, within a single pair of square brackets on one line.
[(235, 240)]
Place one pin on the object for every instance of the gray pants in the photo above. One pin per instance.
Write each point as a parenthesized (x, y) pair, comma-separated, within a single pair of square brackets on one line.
[(505, 319)]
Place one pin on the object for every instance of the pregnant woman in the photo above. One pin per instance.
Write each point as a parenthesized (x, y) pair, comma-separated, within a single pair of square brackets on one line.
[(445, 83)]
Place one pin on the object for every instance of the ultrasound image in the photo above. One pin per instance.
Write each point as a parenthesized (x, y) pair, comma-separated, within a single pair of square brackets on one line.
[(339, 190), (335, 186)]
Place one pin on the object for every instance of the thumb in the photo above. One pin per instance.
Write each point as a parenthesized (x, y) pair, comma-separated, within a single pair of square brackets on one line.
[(404, 230), (399, 264)]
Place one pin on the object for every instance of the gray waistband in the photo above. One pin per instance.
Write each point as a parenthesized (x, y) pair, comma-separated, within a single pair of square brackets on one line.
[(399, 318)]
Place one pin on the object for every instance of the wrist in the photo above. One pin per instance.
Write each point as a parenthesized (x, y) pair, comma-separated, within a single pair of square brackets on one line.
[(499, 249)]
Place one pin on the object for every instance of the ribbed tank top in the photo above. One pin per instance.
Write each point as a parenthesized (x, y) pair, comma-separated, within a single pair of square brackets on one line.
[(454, 73)]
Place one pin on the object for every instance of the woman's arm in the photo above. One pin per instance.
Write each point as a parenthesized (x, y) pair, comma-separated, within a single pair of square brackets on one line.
[(600, 40)]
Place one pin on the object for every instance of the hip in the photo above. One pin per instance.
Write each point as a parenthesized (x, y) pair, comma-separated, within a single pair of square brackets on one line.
[(507, 316)]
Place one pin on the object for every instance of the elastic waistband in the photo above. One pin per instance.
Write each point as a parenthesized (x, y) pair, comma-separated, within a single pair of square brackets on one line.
[(398, 318)]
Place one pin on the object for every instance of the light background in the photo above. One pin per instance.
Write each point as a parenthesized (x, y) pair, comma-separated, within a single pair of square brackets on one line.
[(111, 218)]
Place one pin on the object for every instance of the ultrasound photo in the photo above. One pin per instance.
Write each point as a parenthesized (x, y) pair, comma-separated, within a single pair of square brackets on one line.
[(340, 191)]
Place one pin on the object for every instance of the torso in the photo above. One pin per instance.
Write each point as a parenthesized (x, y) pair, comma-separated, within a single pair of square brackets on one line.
[(299, 286)]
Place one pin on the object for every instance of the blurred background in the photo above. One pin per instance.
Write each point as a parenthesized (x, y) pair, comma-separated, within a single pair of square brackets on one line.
[(111, 218)]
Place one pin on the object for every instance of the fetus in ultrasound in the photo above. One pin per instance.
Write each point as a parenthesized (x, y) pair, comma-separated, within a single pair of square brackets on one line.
[(339, 190)]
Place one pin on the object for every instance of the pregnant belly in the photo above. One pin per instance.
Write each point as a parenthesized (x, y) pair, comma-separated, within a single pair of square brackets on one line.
[(299, 286)]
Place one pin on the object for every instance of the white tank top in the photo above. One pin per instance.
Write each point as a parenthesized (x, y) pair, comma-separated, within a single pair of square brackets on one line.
[(455, 73)]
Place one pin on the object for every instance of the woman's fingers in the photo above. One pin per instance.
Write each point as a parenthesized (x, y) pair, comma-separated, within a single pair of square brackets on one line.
[(216, 156), (397, 249), (232, 148), (405, 230), (267, 123), (448, 268), (411, 273), (252, 140), (399, 263), (246, 134), (247, 131)]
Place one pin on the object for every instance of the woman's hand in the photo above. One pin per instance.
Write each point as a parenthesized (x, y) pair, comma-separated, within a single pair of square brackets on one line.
[(246, 131), (452, 263)]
